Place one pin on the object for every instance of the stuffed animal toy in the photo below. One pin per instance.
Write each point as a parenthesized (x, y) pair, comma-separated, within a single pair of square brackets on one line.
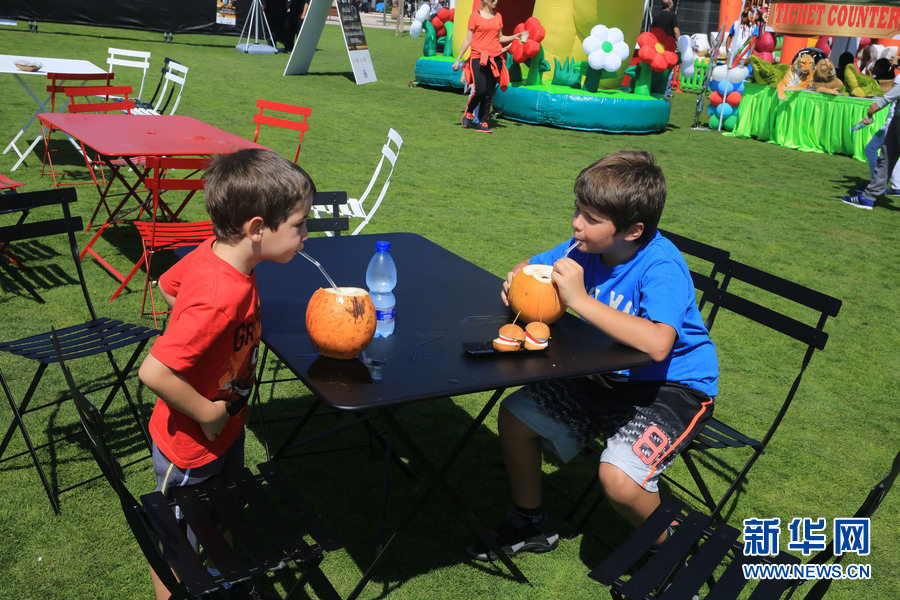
[(798, 77), (825, 79), (765, 73), (860, 85)]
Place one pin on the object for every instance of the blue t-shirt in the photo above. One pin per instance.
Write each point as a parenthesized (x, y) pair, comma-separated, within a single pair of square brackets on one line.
[(654, 284)]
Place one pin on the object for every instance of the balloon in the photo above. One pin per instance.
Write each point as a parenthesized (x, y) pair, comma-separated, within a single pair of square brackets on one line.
[(688, 71), (711, 109), (725, 87), (738, 74), (719, 72), (733, 99), (730, 122), (724, 111), (714, 122), (415, 29), (422, 13), (715, 98)]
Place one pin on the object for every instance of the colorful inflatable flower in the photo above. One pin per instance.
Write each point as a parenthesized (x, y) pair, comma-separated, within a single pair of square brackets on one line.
[(522, 51), (606, 48), (657, 49)]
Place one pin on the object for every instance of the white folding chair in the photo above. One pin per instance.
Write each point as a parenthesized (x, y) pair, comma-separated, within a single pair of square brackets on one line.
[(355, 207), (174, 74), (136, 59)]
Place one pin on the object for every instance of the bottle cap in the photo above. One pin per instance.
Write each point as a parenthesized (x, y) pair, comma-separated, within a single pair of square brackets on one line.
[(382, 246)]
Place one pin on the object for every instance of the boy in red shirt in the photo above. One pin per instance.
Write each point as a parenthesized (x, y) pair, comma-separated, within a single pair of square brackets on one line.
[(203, 367)]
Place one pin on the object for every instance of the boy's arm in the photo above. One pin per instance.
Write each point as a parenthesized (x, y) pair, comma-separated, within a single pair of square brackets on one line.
[(656, 339), (169, 298), (181, 396)]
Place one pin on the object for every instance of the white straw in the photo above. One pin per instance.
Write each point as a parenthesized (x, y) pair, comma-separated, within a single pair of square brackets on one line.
[(572, 247), (315, 262)]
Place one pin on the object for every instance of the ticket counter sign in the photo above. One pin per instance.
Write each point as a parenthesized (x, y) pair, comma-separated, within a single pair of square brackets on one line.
[(872, 20)]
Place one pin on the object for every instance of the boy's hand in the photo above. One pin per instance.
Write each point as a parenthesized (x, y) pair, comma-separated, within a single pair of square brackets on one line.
[(568, 276), (214, 419), (504, 293)]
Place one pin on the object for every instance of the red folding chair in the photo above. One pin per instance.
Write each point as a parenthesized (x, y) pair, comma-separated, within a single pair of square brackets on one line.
[(7, 185), (58, 83), (91, 99), (157, 236), (280, 121)]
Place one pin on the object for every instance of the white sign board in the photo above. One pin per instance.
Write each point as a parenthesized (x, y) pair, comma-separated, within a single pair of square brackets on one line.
[(354, 38)]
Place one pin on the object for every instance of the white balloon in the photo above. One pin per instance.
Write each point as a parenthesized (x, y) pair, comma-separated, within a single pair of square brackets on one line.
[(423, 12), (688, 71), (684, 43), (597, 60), (415, 29), (600, 31), (591, 44), (719, 72), (738, 74)]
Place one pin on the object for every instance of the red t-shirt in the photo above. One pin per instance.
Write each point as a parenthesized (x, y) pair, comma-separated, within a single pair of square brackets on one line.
[(486, 35), (212, 340)]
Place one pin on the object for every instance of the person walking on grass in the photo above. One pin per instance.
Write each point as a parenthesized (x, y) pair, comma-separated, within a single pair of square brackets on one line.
[(887, 157), (485, 67)]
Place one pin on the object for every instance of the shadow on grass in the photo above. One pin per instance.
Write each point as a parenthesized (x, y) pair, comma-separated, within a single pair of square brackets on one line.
[(342, 476)]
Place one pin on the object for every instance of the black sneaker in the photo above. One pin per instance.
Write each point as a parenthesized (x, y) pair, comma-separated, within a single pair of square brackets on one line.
[(483, 127), (467, 119), (515, 535)]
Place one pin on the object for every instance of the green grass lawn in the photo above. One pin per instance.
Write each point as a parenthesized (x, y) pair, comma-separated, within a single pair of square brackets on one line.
[(493, 199)]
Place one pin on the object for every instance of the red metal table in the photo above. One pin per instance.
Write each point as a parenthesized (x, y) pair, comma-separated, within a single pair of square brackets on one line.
[(129, 137)]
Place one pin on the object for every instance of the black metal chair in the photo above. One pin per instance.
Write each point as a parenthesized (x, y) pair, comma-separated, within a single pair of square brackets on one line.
[(98, 336), (702, 561), (776, 304), (264, 516)]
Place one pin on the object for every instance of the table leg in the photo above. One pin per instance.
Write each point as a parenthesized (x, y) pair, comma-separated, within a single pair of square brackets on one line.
[(42, 107), (437, 481)]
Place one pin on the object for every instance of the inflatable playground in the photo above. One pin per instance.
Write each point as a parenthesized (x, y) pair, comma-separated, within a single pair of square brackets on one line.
[(575, 69), (586, 65)]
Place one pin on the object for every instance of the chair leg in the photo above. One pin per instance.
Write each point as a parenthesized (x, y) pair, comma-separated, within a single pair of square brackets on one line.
[(698, 480), (20, 424)]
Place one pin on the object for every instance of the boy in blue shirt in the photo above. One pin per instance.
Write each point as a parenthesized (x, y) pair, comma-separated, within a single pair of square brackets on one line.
[(627, 280)]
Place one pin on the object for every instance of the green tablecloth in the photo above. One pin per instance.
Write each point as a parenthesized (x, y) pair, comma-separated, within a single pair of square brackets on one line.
[(806, 121)]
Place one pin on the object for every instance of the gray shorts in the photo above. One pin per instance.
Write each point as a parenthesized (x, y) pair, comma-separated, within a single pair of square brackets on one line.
[(645, 426), (169, 476)]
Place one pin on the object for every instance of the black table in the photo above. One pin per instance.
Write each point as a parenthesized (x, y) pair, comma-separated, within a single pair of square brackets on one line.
[(442, 302)]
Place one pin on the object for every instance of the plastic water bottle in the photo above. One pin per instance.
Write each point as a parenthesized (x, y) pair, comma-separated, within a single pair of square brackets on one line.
[(860, 125), (381, 277)]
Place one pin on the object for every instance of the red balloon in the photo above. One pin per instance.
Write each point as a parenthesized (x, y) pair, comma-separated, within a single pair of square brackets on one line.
[(715, 98), (733, 99)]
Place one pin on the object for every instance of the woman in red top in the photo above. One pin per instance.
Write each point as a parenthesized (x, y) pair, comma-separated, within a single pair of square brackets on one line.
[(486, 64)]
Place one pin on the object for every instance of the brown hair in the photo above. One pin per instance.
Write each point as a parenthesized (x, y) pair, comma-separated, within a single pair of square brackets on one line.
[(628, 187), (250, 183)]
